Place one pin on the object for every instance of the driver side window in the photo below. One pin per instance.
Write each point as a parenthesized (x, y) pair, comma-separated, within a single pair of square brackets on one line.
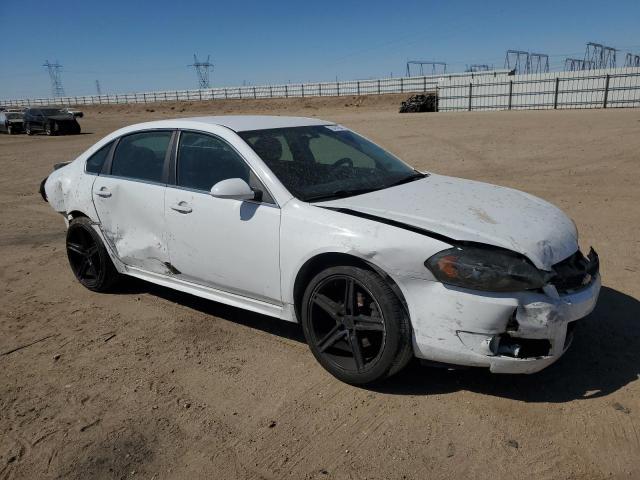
[(204, 160)]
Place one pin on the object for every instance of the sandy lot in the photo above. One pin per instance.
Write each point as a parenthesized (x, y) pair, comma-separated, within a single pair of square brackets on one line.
[(149, 383)]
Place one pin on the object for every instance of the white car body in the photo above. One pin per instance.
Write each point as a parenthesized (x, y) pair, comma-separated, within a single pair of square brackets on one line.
[(249, 254)]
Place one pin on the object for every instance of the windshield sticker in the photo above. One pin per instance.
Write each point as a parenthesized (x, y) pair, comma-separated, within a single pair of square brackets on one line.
[(337, 128)]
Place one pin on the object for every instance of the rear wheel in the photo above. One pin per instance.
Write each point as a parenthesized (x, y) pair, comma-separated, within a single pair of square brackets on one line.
[(27, 128), (48, 129), (355, 325), (88, 258)]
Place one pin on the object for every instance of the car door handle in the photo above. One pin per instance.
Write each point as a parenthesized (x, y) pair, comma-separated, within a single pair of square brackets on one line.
[(182, 207), (103, 192)]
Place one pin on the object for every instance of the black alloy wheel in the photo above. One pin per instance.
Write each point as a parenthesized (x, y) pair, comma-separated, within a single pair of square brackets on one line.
[(355, 325), (88, 257)]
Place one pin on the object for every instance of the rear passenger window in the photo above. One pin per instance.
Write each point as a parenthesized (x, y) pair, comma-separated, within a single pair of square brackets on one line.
[(96, 161), (141, 156)]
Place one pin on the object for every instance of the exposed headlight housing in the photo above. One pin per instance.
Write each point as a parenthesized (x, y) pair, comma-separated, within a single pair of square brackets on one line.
[(488, 269)]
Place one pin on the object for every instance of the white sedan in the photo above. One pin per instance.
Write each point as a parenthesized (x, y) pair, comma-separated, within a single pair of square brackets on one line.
[(307, 221)]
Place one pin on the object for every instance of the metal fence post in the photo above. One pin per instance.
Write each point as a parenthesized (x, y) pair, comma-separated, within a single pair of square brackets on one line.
[(302, 85), (254, 93), (606, 91), (239, 92), (270, 91), (510, 92), (424, 84), (338, 88), (226, 95), (470, 94), (358, 87), (555, 96), (286, 91), (319, 89), (378, 86), (401, 85)]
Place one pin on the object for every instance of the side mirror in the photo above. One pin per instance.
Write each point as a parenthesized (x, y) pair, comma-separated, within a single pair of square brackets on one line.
[(235, 188)]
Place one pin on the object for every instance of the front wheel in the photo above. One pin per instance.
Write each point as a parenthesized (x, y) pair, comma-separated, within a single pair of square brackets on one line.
[(27, 129), (48, 129), (9, 130), (355, 325), (88, 258)]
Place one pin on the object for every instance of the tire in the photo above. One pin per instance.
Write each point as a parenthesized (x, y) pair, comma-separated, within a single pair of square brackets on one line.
[(88, 257), (48, 129), (9, 130), (27, 128), (375, 328)]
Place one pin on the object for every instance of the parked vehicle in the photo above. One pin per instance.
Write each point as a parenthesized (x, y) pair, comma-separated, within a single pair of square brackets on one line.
[(307, 221), (11, 122), (50, 121)]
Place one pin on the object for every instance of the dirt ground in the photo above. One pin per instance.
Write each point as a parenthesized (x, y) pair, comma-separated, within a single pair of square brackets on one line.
[(150, 383)]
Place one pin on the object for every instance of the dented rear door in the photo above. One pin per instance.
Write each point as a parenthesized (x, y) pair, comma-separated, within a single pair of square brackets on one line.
[(129, 200)]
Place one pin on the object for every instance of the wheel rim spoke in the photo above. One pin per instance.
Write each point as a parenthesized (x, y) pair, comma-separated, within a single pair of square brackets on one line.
[(349, 297), (331, 338), (328, 305), (364, 323), (354, 343), (76, 248)]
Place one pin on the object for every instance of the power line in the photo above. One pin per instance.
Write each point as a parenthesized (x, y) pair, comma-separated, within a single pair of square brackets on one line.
[(54, 75), (435, 67), (202, 71)]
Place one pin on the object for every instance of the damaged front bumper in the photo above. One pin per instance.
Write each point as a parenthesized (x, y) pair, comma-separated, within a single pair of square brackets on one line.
[(520, 332)]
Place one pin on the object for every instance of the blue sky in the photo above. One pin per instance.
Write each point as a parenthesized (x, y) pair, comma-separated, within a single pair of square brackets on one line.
[(136, 46)]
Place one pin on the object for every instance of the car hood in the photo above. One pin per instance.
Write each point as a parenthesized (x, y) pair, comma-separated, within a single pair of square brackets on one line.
[(15, 120), (467, 210)]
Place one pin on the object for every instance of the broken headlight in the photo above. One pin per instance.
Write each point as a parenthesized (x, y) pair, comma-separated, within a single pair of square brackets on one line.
[(488, 269)]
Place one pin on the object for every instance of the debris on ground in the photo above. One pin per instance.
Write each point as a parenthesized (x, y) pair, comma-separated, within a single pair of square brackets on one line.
[(420, 103)]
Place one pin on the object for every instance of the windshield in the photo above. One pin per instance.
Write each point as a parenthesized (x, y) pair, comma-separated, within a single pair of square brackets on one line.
[(325, 162), (12, 116)]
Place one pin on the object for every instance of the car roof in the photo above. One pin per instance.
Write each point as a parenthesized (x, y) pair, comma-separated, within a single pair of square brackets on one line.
[(242, 123)]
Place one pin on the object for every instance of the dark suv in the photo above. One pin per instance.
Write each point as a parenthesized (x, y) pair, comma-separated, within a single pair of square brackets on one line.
[(50, 120)]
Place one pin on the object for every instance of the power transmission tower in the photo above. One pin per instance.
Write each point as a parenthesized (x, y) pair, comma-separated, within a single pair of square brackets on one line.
[(202, 71), (631, 60), (517, 61), (577, 64), (600, 56), (538, 63), (479, 67), (437, 68), (54, 75), (98, 89)]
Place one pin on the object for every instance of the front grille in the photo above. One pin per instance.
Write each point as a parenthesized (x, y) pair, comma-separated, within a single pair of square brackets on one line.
[(575, 272)]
